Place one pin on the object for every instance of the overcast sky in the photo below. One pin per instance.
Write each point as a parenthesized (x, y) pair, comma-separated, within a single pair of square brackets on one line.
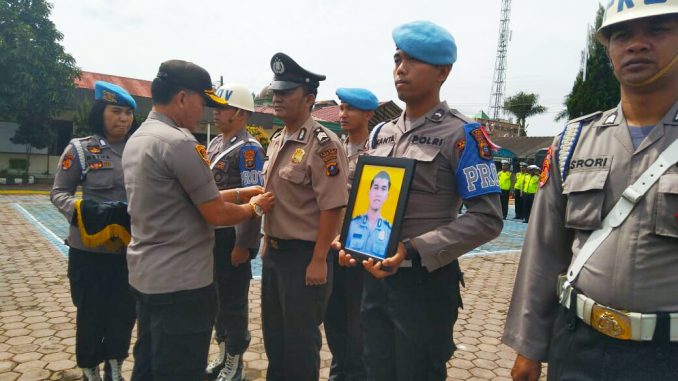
[(349, 41)]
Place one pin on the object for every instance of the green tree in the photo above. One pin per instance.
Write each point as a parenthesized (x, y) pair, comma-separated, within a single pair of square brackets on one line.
[(600, 89), (258, 133), (37, 74), (523, 106), (80, 120)]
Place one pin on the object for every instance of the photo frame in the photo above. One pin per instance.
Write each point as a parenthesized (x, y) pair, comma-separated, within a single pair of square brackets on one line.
[(376, 206)]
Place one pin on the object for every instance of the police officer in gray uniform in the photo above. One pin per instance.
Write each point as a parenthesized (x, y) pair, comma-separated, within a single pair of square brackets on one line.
[(342, 319), (605, 218), (369, 233), (411, 300), (98, 275), (173, 201), (236, 160)]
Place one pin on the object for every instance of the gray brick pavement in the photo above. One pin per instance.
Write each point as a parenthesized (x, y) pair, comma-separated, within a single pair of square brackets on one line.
[(37, 336)]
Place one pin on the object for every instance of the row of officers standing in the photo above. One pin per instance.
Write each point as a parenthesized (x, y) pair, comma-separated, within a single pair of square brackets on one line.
[(394, 319), (522, 186)]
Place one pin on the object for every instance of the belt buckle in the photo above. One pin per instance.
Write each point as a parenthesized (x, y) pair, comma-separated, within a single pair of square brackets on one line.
[(611, 322), (274, 243)]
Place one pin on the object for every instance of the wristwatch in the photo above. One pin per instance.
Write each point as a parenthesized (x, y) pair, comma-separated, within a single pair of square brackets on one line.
[(257, 209), (410, 252)]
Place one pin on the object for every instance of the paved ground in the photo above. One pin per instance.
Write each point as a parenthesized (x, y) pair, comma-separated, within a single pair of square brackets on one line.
[(37, 316)]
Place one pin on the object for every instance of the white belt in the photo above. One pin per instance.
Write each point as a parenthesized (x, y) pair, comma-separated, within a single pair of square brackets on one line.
[(615, 323)]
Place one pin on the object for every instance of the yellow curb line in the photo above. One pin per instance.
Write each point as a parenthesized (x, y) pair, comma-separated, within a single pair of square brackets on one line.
[(20, 192)]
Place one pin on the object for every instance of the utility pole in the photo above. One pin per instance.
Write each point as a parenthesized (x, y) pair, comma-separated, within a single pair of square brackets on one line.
[(499, 77)]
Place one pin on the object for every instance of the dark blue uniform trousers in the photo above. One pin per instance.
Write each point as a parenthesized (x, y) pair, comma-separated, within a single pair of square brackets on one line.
[(408, 320), (233, 286), (105, 306), (342, 323), (292, 312)]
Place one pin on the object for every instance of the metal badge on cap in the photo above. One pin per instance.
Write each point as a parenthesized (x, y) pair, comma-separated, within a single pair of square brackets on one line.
[(277, 66)]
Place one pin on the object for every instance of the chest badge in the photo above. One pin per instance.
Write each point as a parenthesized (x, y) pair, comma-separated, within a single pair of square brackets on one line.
[(298, 155), (220, 165), (94, 149), (382, 235)]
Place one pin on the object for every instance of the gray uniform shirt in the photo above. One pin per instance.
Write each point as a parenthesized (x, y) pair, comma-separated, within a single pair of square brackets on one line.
[(103, 180), (353, 151), (166, 176), (240, 167), (635, 268), (435, 141)]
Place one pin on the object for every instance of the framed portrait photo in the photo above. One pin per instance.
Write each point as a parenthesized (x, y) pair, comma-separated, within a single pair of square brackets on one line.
[(376, 206)]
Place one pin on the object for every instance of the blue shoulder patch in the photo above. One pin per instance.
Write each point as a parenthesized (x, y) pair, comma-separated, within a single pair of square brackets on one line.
[(251, 165), (476, 173)]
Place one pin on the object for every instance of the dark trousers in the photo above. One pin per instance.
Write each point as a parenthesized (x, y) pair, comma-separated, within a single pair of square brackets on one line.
[(173, 335), (580, 353), (517, 195), (408, 321), (528, 199), (105, 306), (342, 323), (505, 202), (291, 313), (232, 286)]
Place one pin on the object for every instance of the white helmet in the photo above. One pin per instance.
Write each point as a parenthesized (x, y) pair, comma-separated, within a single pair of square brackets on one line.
[(237, 96), (619, 11)]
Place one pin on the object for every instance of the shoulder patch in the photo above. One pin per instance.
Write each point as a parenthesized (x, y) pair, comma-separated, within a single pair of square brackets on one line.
[(546, 168), (321, 135), (249, 156), (67, 162), (476, 174), (586, 118), (202, 153), (329, 157)]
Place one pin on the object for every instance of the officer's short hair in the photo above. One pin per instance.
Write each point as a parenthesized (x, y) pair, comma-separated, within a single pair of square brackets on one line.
[(162, 92), (95, 120), (381, 175)]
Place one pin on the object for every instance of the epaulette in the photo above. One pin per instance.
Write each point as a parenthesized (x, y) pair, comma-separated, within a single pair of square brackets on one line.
[(455, 113), (569, 139), (321, 135), (276, 133)]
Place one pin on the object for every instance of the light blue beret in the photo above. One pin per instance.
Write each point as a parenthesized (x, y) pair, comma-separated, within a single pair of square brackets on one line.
[(361, 99), (113, 94), (426, 42)]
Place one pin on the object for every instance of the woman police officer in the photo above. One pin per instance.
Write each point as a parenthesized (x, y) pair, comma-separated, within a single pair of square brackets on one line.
[(97, 268)]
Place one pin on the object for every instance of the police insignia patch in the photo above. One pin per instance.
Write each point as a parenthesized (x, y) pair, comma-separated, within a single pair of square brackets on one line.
[(94, 149), (329, 156), (220, 165), (109, 97), (484, 148), (545, 168), (460, 144), (298, 155), (331, 168), (250, 156), (67, 163), (202, 153)]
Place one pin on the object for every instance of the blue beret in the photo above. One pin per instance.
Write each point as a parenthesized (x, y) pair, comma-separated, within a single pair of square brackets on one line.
[(426, 42), (361, 99), (113, 94)]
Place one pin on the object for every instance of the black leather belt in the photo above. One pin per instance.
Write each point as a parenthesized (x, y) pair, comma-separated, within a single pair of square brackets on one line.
[(290, 244)]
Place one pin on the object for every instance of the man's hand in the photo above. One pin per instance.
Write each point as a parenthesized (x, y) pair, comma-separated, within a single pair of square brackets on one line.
[(525, 369), (345, 259), (316, 272), (392, 263), (248, 192), (239, 256), (264, 200)]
